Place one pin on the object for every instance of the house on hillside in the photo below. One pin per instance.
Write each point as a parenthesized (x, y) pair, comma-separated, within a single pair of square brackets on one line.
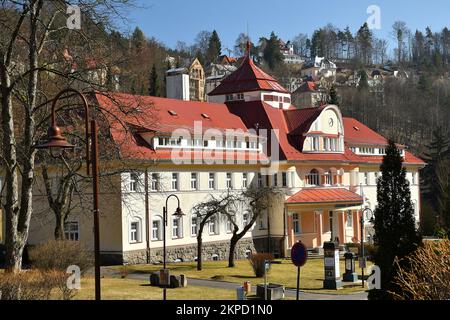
[(186, 82), (319, 67)]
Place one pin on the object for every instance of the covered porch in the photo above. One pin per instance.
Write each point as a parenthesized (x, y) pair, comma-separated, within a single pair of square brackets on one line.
[(317, 215)]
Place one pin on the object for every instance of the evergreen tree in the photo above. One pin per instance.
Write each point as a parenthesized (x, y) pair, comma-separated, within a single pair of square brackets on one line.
[(272, 54), (395, 231), (214, 48), (364, 42), (138, 39), (153, 83), (363, 83), (333, 96)]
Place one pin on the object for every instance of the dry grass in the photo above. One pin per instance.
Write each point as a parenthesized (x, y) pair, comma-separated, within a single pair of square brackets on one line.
[(312, 274), (127, 289)]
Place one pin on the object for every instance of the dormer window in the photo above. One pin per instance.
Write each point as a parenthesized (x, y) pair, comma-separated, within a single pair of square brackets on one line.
[(229, 97)]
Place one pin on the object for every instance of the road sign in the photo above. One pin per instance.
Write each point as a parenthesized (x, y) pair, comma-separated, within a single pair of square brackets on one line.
[(299, 255)]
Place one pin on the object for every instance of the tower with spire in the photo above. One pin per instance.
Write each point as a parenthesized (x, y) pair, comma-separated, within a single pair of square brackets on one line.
[(250, 83)]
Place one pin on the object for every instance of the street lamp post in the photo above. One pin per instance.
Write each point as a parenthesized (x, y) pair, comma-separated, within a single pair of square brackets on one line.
[(56, 141), (178, 213), (362, 261)]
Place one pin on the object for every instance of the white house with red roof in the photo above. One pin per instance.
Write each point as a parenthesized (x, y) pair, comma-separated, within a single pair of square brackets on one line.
[(326, 164)]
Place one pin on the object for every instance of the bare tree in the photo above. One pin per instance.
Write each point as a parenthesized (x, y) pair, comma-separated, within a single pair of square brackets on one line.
[(33, 31), (205, 212), (257, 200)]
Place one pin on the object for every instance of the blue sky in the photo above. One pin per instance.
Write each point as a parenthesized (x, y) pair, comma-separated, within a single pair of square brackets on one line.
[(173, 20)]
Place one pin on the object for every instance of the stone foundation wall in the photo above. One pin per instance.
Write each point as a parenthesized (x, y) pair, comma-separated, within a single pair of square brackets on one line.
[(218, 250)]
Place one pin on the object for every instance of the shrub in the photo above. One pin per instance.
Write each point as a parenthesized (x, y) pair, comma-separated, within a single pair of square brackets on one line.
[(59, 255), (425, 274), (35, 285), (257, 261)]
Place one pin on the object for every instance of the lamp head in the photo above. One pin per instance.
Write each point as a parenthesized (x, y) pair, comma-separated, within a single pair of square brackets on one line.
[(56, 141), (178, 213)]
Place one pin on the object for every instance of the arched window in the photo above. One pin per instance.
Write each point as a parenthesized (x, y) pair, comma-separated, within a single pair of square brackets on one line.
[(328, 177), (312, 178)]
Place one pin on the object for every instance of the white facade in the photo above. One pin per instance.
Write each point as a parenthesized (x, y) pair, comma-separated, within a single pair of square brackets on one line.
[(177, 86)]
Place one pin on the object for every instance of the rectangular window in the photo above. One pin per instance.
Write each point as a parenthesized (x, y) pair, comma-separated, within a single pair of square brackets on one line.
[(194, 183), (229, 226), (240, 96), (327, 144), (366, 178), (284, 179), (296, 223), (174, 184), (71, 230), (315, 143), (155, 182), (245, 219), (133, 185), (349, 219), (275, 180), (244, 180), (212, 226), (413, 178), (176, 228), (194, 226), (260, 180), (229, 182), (212, 181), (134, 232), (156, 230)]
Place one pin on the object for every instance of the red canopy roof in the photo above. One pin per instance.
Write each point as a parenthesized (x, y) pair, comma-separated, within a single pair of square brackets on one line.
[(248, 77), (329, 195)]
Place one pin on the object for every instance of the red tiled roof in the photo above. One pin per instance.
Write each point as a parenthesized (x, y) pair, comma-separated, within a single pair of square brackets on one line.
[(358, 133), (151, 114), (329, 195), (308, 86), (248, 77)]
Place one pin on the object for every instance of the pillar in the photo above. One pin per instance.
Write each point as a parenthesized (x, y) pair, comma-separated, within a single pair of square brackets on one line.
[(341, 226), (319, 221), (356, 225)]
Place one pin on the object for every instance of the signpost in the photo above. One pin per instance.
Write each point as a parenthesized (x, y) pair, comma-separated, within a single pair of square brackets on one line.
[(299, 256)]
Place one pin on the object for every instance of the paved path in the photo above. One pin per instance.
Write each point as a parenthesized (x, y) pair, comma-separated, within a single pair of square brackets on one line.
[(233, 286)]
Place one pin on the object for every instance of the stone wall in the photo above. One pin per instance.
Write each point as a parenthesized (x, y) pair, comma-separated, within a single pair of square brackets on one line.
[(218, 250)]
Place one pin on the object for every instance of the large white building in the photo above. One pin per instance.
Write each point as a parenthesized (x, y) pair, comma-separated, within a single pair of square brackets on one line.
[(326, 164)]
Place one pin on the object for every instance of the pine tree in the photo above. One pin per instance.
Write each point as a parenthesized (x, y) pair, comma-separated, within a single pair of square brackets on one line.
[(153, 83), (272, 54), (395, 231), (333, 99), (214, 48), (363, 83)]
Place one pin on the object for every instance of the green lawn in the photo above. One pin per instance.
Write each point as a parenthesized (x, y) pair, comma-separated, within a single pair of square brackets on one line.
[(311, 279), (127, 289)]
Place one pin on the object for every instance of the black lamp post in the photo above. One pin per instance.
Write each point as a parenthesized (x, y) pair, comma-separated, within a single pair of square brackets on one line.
[(56, 141), (362, 259), (178, 213)]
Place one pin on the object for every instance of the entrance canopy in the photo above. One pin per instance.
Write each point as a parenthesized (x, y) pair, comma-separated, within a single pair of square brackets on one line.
[(337, 197)]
